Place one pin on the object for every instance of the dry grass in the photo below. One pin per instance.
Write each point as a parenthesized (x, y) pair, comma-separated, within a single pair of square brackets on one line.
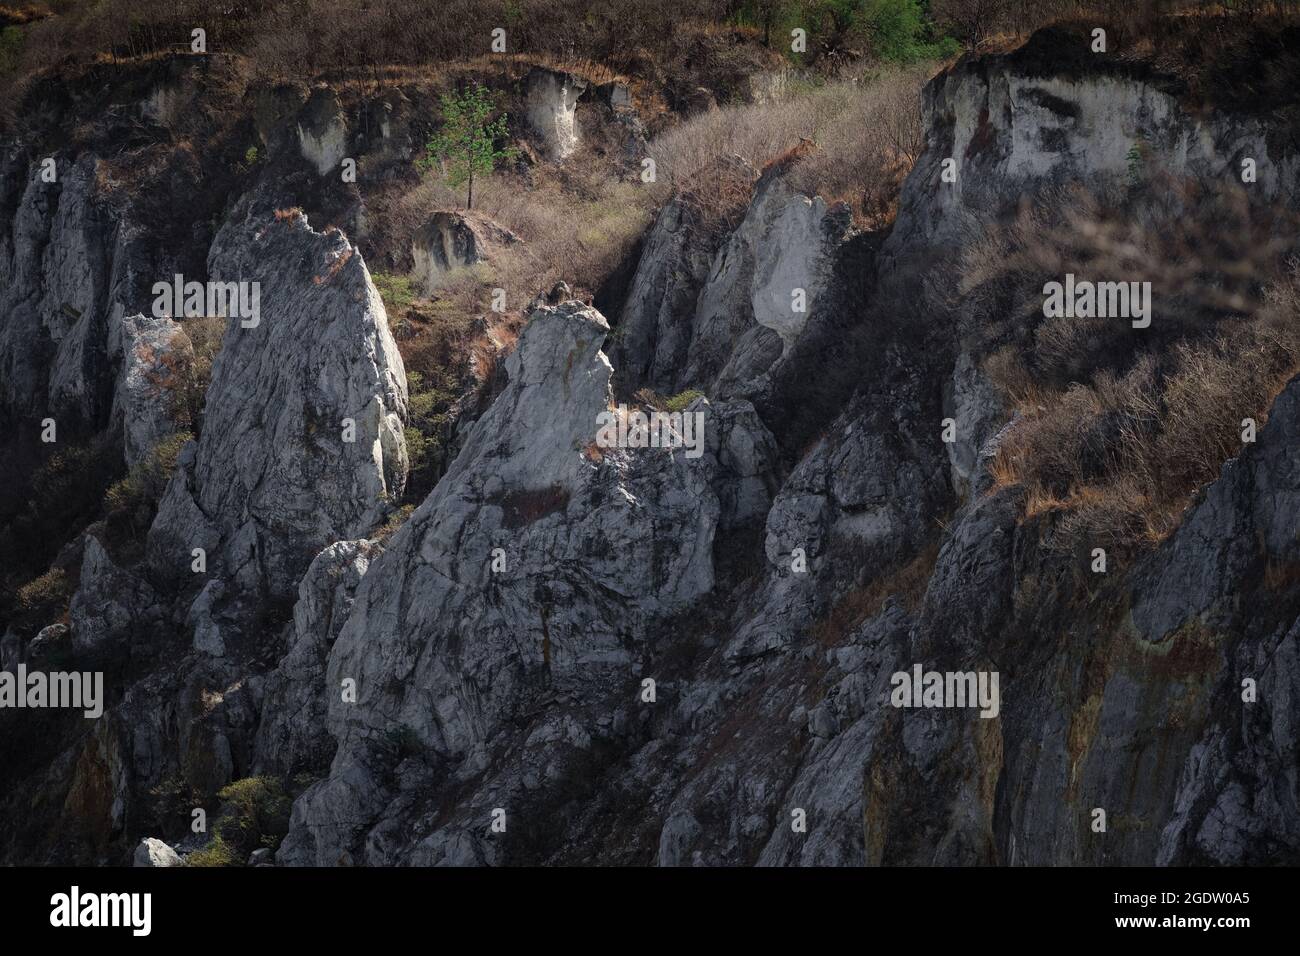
[(856, 139), (1120, 455), (306, 38), (578, 224), (993, 24)]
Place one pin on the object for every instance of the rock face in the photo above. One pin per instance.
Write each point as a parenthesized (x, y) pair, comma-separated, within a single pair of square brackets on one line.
[(318, 461), (450, 241), (656, 326), (1014, 124), (111, 605), (552, 109), (78, 342), (555, 552), (574, 651), (56, 270), (728, 327), (292, 739), (323, 132), (977, 413), (149, 350)]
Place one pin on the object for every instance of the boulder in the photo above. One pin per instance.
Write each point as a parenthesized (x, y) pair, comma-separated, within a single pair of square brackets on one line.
[(452, 240), (155, 853), (47, 640)]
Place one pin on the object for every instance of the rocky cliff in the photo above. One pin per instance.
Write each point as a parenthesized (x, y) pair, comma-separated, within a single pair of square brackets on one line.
[(669, 652)]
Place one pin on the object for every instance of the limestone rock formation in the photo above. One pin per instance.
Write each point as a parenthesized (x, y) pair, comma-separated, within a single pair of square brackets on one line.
[(323, 132), (302, 442), (555, 551), (552, 109), (150, 351), (731, 324), (153, 853), (573, 651), (656, 326), (111, 604), (56, 268), (292, 735), (452, 240), (1015, 126)]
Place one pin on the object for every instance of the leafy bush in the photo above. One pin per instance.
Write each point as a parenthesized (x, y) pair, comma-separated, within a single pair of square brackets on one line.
[(217, 853), (678, 402), (397, 291), (254, 814), (432, 396), (899, 32)]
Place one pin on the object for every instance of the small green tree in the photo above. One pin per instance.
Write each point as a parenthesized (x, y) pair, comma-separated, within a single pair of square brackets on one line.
[(466, 142)]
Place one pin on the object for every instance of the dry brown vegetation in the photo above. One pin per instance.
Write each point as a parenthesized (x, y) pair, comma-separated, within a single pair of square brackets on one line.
[(860, 138), (577, 223), (1117, 427), (984, 23), (301, 38)]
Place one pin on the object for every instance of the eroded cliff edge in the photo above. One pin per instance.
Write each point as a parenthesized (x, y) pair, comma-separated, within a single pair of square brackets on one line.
[(825, 538)]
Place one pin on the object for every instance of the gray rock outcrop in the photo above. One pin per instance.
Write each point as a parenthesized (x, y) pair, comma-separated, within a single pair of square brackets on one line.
[(156, 853), (292, 736), (451, 241), (323, 132), (589, 545), (302, 442), (552, 109), (150, 351)]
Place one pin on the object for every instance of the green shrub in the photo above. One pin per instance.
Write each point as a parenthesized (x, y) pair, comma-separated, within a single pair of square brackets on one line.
[(398, 293), (254, 814), (679, 401), (430, 400), (675, 403), (898, 30), (216, 853)]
